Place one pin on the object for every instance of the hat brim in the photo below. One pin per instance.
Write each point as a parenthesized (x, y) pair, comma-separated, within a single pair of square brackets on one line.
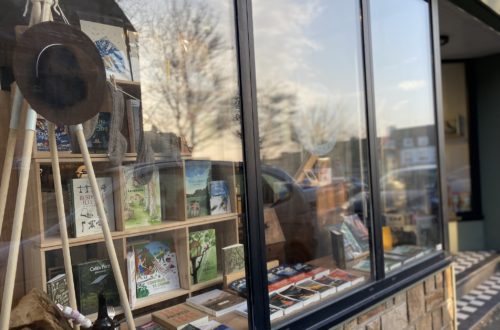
[(32, 42)]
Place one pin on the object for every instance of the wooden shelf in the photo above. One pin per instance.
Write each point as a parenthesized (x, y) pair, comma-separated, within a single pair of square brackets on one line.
[(43, 157), (54, 243), (158, 298)]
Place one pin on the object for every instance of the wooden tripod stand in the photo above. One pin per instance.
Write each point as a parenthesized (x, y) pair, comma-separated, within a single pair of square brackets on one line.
[(41, 12)]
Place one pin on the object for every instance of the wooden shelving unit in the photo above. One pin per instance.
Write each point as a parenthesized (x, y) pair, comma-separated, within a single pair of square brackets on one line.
[(42, 243)]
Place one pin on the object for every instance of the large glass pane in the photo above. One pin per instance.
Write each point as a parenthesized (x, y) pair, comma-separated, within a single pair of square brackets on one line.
[(406, 129), (156, 86), (312, 130)]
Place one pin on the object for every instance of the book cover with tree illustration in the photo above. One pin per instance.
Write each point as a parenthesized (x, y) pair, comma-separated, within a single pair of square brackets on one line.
[(203, 255), (198, 176), (91, 278), (155, 268), (142, 202), (86, 221), (234, 258)]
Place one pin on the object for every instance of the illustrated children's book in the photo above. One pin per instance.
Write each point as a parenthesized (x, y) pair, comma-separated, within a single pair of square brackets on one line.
[(86, 221), (156, 268), (234, 258), (203, 255), (110, 42), (142, 202), (198, 176), (220, 202), (63, 139)]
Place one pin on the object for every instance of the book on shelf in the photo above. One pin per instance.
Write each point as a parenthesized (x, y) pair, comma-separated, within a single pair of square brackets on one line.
[(220, 200), (346, 276), (274, 312), (133, 54), (284, 303), (132, 287), (216, 302), (111, 44), (338, 253), (197, 178), (289, 273), (301, 294), (275, 282), (358, 230), (57, 289), (155, 268), (203, 255), (91, 278), (178, 316), (352, 249), (363, 265), (239, 286), (210, 325), (391, 263), (63, 137), (410, 252), (152, 325), (310, 270), (336, 283), (142, 202), (134, 123), (233, 258), (99, 140), (85, 219), (323, 290)]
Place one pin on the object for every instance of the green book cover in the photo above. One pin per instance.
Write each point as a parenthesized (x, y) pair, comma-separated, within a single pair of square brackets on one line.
[(203, 255), (142, 206), (234, 258), (197, 179), (91, 278)]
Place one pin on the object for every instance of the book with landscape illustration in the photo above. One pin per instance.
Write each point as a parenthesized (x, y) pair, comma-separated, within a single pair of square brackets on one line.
[(91, 278), (197, 178), (336, 283), (111, 44), (63, 139), (57, 289), (155, 268), (86, 220), (288, 305), (220, 201), (203, 255), (346, 276), (142, 202), (300, 293), (323, 290), (233, 258)]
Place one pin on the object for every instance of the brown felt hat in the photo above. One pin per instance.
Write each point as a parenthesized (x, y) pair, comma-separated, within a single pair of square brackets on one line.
[(60, 72)]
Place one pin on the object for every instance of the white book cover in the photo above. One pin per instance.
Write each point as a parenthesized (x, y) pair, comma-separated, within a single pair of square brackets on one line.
[(111, 44), (85, 218), (131, 278), (216, 302)]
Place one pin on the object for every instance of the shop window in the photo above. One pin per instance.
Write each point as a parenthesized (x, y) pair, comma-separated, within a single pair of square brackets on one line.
[(313, 147), (406, 130)]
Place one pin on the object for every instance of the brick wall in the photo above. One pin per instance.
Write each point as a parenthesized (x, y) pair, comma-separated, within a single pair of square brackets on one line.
[(427, 305)]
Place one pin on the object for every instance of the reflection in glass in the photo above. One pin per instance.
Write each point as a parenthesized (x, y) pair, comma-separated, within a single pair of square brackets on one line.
[(313, 147), (406, 129)]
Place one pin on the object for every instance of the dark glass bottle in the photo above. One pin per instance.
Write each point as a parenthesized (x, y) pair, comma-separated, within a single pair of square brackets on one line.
[(103, 322)]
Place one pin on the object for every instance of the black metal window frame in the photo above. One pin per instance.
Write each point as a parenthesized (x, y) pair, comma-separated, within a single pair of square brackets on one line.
[(328, 314)]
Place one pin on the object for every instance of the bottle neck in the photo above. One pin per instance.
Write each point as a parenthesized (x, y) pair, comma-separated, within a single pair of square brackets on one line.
[(103, 308)]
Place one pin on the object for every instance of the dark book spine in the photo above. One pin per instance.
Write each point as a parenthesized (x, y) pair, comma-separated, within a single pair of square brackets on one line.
[(338, 249)]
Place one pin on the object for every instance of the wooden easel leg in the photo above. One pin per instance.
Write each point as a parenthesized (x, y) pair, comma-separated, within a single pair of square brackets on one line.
[(56, 172), (105, 226), (15, 240), (15, 115)]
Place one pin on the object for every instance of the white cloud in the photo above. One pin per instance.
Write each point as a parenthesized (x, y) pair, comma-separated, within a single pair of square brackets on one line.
[(411, 85)]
